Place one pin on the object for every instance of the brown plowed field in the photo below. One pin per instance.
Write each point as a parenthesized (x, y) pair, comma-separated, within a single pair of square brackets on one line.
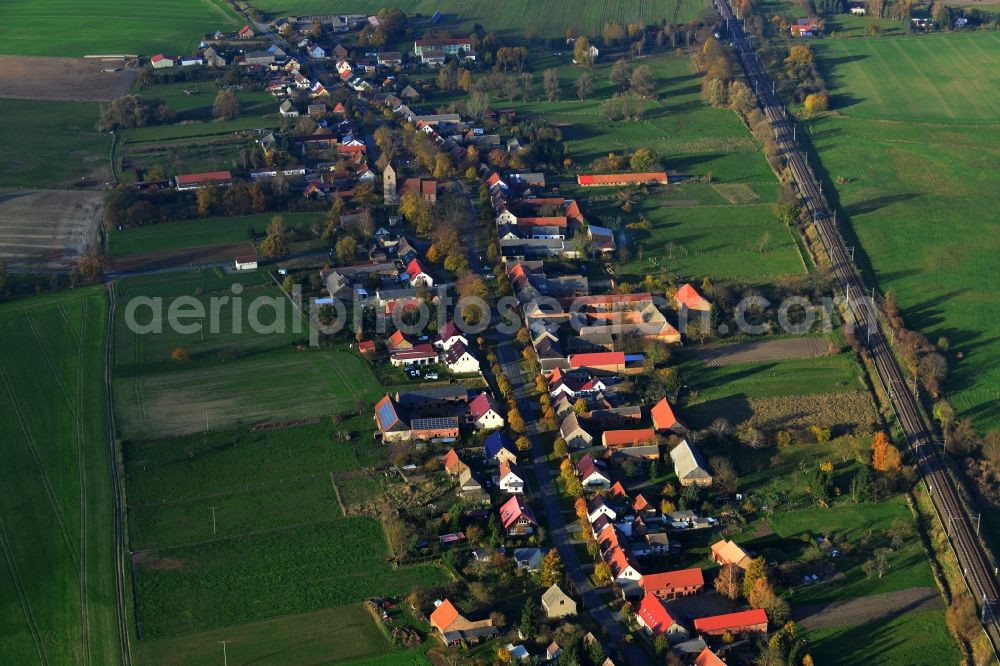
[(70, 79)]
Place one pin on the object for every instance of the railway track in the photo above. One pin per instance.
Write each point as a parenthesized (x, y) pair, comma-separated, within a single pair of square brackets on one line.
[(977, 569), (121, 551)]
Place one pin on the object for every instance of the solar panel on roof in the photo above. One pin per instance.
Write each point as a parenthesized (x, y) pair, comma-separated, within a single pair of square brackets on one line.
[(386, 414)]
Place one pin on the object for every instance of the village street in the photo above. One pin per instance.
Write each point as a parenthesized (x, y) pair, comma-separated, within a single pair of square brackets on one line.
[(560, 533)]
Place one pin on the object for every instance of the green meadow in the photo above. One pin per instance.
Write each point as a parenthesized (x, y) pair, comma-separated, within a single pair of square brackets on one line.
[(57, 588), (199, 233), (66, 28), (908, 639), (51, 144), (911, 152)]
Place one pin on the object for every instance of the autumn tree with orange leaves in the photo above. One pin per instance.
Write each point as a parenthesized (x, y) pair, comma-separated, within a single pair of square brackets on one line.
[(885, 456)]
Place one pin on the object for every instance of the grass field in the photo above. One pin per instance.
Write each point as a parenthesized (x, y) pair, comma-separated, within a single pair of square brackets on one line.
[(349, 632), (917, 165), (911, 639), (51, 144), (198, 233), (258, 109), (263, 575), (943, 78), (221, 386), (66, 28), (57, 585), (516, 17)]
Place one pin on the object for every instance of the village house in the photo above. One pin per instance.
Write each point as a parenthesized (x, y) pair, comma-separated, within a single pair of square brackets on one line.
[(454, 628), (590, 475), (449, 335), (553, 651), (614, 440), (708, 658), (597, 507), (422, 354), (390, 59), (460, 360), (468, 484), (390, 424), (624, 569), (195, 181), (622, 179), (574, 434), (246, 262), (557, 604), (654, 616), (744, 623), (246, 32), (485, 413), (160, 61), (288, 110), (416, 275), (807, 27), (453, 465), (689, 466), (527, 559), (498, 448), (422, 187), (509, 479), (517, 517), (673, 584), (448, 400), (446, 46), (689, 300), (729, 552), (665, 421), (440, 428)]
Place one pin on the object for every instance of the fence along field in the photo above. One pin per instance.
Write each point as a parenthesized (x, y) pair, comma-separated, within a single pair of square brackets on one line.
[(920, 194), (57, 583), (104, 27), (515, 16), (232, 378)]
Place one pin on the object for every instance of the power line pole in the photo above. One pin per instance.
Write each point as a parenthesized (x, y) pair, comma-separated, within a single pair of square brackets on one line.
[(213, 508), (225, 656)]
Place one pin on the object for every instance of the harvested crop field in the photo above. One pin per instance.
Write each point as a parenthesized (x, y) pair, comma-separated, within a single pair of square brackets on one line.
[(195, 256), (846, 612), (763, 350), (71, 79), (828, 410), (47, 228)]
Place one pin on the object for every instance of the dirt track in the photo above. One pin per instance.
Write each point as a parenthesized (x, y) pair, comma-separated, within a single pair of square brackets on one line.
[(865, 609), (765, 350), (73, 79), (47, 228)]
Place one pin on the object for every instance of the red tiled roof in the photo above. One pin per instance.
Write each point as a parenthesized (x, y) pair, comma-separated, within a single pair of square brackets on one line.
[(413, 269), (451, 460), (731, 621), (629, 437), (514, 509), (366, 346), (613, 299), (620, 560), (190, 178), (663, 415), (640, 504), (618, 490), (616, 178), (596, 359), (482, 404), (668, 580), (689, 297), (541, 221), (444, 615), (397, 338), (708, 658), (418, 352), (655, 614)]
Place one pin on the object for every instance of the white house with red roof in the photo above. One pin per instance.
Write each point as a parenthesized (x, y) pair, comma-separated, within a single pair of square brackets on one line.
[(246, 32), (416, 275), (422, 354), (590, 475), (485, 413), (449, 335), (517, 517), (624, 568), (657, 619), (160, 61), (398, 342), (509, 479)]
